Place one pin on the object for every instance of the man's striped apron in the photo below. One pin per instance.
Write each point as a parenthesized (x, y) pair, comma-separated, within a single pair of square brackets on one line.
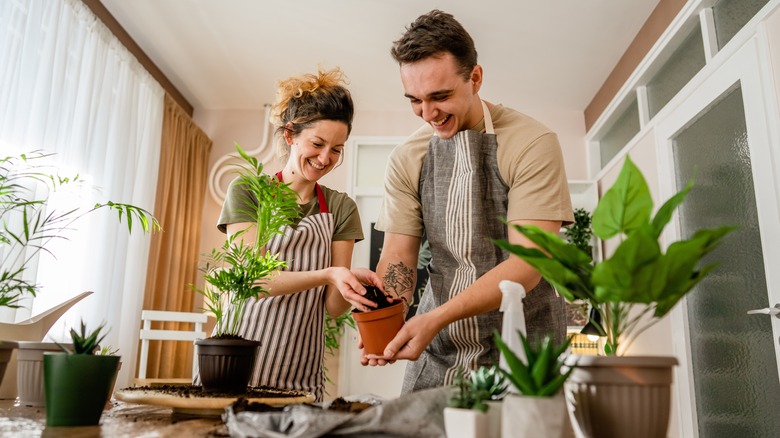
[(463, 196)]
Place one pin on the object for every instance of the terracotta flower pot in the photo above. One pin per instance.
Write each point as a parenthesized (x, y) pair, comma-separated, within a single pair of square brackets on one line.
[(226, 365), (378, 327), (620, 396)]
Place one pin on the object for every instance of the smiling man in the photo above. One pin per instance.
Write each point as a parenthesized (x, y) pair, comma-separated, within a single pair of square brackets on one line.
[(471, 164)]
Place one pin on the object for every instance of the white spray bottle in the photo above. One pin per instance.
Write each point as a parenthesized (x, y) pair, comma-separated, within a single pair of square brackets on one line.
[(514, 320)]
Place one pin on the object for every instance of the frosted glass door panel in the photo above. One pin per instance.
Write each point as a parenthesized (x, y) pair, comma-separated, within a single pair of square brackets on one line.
[(735, 374)]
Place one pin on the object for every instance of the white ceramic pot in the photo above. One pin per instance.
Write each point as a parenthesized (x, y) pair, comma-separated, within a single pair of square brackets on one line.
[(494, 418), (535, 417), (465, 423), (29, 377)]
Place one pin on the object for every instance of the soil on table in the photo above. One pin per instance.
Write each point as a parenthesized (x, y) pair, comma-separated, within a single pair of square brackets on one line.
[(192, 391), (374, 294), (342, 405), (339, 405)]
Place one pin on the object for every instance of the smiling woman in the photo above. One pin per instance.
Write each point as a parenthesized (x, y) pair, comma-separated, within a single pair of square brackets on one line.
[(313, 118)]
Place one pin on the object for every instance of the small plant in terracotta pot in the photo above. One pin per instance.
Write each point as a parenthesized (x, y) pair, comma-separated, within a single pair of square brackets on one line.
[(377, 327), (234, 274)]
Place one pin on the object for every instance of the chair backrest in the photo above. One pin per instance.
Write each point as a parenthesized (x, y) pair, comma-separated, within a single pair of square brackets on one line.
[(147, 334)]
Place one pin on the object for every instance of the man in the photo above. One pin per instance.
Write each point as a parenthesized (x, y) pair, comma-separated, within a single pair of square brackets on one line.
[(472, 164)]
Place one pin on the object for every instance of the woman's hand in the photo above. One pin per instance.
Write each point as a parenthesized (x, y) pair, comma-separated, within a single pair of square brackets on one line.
[(350, 285)]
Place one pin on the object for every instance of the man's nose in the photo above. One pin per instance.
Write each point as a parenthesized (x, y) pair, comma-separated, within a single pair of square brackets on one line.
[(429, 111)]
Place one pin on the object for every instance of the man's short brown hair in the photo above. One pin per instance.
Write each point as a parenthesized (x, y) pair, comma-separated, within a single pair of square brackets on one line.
[(432, 34)]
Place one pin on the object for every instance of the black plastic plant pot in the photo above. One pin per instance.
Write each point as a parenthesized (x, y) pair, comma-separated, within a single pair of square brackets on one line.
[(77, 387), (226, 365)]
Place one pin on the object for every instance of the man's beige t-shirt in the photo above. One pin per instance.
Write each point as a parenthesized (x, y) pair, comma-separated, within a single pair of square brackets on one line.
[(530, 163)]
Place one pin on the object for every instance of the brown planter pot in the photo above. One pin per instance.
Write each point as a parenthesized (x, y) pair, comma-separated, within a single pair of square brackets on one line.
[(226, 365), (614, 396), (378, 327), (6, 349)]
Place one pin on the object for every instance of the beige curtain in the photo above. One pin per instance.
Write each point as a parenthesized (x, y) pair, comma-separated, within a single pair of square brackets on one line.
[(174, 253)]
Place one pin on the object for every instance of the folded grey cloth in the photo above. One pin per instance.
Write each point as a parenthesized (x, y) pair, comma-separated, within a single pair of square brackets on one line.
[(419, 414)]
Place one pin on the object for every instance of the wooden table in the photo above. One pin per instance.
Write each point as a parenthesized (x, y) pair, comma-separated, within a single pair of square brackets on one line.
[(121, 420)]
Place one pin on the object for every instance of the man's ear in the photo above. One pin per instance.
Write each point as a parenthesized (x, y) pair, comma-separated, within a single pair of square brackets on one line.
[(476, 78)]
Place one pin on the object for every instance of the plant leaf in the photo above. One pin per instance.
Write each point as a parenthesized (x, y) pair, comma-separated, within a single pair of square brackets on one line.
[(625, 206)]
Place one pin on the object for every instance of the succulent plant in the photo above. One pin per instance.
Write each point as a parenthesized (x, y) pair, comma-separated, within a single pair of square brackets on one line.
[(85, 342), (541, 373)]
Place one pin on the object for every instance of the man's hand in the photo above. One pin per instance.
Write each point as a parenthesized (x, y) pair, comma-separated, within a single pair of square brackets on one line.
[(416, 334)]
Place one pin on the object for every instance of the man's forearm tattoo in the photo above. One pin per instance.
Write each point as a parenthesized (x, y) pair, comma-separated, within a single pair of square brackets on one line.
[(399, 279)]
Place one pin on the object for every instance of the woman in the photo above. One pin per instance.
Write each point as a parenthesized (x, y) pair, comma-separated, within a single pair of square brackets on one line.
[(313, 118)]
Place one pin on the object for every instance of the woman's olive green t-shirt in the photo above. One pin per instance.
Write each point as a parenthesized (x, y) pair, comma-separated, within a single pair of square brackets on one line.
[(346, 218)]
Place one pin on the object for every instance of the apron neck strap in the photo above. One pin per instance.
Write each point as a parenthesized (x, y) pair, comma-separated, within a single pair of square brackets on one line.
[(488, 118), (317, 189)]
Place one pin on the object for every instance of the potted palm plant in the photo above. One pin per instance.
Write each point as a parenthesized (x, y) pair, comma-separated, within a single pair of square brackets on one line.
[(78, 381), (538, 374), (233, 275), (28, 224), (631, 290)]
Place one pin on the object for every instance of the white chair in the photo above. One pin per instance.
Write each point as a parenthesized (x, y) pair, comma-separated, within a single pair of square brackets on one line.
[(147, 334)]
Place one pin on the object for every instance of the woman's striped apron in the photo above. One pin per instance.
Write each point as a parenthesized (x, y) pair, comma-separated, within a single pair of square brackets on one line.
[(290, 327), (463, 196)]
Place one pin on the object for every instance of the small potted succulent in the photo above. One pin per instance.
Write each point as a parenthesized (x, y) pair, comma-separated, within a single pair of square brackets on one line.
[(378, 326), (466, 413), (234, 274), (538, 374), (78, 381), (631, 290), (491, 381)]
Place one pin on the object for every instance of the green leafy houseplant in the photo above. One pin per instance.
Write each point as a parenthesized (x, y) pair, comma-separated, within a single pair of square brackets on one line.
[(540, 374), (334, 328), (639, 283), (580, 233), (27, 223), (234, 272)]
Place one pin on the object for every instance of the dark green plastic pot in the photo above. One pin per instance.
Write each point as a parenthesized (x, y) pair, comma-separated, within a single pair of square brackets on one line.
[(76, 387)]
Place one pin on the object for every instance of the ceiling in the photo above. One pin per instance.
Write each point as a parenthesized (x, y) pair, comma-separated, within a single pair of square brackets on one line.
[(229, 54)]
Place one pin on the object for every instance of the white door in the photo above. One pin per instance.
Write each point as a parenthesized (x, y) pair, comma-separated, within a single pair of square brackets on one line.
[(724, 135), (368, 161)]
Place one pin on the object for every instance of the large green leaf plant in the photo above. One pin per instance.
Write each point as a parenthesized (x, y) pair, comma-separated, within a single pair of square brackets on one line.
[(640, 282), (234, 272), (28, 223)]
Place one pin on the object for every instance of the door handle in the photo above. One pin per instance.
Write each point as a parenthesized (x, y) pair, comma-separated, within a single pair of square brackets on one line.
[(767, 311)]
